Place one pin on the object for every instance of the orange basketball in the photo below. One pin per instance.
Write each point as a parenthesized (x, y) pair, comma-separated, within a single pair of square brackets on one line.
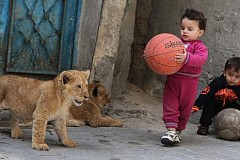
[(160, 53)]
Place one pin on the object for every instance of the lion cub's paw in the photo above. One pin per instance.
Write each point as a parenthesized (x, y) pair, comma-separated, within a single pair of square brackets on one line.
[(69, 143), (17, 134), (114, 122), (75, 123), (43, 147), (117, 123)]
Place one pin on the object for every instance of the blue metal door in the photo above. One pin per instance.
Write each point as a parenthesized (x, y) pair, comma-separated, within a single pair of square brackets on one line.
[(37, 36)]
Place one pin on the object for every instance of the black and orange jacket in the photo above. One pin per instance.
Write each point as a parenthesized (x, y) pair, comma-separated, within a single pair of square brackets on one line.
[(219, 91)]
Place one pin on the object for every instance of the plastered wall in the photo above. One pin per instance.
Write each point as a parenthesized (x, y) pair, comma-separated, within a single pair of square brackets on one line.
[(221, 37)]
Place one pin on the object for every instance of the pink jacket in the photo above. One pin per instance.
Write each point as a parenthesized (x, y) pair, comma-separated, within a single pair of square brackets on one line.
[(197, 54)]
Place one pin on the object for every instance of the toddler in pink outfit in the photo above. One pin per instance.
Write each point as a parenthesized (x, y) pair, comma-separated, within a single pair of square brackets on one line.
[(181, 87)]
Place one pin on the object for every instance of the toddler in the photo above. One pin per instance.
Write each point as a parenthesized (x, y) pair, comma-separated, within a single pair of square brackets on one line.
[(181, 87), (223, 92)]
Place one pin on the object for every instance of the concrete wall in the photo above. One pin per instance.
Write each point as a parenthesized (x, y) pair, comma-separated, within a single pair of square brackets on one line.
[(104, 40), (221, 37), (123, 61), (113, 47), (87, 33)]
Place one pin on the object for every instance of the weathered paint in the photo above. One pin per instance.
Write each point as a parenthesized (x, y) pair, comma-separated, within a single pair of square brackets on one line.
[(42, 35), (4, 26)]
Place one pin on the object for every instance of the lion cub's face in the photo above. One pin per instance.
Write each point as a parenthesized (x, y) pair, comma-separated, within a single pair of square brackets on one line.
[(98, 93), (75, 85)]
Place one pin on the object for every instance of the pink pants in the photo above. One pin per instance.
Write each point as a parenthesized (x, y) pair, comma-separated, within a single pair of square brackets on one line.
[(178, 98)]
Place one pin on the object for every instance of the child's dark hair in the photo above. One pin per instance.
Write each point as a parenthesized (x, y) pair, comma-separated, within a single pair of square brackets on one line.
[(193, 14), (233, 63)]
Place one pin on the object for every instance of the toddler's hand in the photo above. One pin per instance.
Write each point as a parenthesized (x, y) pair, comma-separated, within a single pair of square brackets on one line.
[(180, 57), (195, 109)]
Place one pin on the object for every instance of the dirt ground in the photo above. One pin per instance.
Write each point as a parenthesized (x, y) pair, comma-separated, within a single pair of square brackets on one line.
[(138, 108)]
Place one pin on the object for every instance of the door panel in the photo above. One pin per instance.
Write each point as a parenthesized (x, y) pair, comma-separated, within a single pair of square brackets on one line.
[(4, 30), (41, 36)]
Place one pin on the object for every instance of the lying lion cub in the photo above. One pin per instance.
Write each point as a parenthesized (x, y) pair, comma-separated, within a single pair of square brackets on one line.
[(90, 111), (42, 102)]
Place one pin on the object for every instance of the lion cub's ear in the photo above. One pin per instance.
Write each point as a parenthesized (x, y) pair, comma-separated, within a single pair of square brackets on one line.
[(95, 91), (87, 73), (65, 77), (97, 85)]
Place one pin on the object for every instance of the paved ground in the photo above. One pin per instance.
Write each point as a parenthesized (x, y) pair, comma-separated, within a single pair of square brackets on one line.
[(119, 144), (139, 139)]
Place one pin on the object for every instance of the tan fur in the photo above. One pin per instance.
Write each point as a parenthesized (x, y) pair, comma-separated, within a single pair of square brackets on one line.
[(90, 111), (42, 102)]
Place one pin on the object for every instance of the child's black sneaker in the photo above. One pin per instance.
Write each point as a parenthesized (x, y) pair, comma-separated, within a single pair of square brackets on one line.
[(202, 130)]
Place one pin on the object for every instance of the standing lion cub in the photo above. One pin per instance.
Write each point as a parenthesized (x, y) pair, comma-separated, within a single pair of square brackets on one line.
[(42, 102)]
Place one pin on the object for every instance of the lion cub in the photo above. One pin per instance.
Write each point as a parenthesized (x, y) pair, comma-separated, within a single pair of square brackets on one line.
[(90, 111), (41, 102)]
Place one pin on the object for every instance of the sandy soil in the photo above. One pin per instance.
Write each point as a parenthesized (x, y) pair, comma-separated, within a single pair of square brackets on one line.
[(138, 108)]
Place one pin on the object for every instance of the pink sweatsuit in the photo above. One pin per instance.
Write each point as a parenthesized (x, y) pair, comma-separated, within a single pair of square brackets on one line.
[(181, 87)]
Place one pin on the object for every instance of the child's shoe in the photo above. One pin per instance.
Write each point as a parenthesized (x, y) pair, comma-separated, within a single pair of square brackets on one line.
[(170, 138), (179, 135), (203, 130)]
